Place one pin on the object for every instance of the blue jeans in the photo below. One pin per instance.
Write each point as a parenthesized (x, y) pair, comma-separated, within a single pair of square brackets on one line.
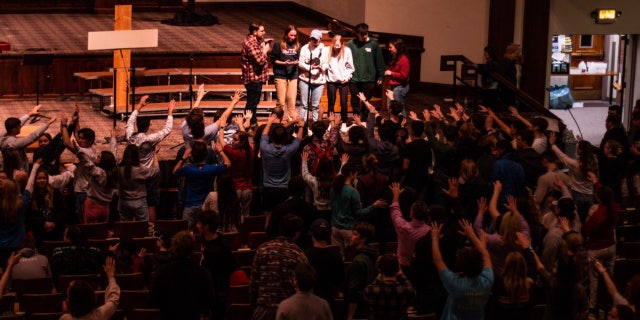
[(400, 95), (316, 95), (133, 209), (191, 215), (254, 90)]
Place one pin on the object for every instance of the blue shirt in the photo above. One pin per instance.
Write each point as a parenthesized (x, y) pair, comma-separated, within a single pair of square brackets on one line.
[(199, 181), (467, 297), (276, 162)]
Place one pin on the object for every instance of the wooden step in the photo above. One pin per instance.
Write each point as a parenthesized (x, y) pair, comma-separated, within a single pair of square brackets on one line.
[(209, 107), (174, 88), (94, 75)]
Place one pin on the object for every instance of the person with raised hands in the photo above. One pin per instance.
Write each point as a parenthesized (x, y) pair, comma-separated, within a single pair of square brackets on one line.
[(277, 150), (10, 140), (470, 291)]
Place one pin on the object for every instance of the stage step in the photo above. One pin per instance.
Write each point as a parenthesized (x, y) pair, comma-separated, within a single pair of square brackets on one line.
[(210, 107)]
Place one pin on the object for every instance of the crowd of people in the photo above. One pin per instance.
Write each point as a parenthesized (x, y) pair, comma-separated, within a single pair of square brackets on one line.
[(486, 220)]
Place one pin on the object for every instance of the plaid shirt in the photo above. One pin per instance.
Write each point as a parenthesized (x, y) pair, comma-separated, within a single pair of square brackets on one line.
[(389, 300), (272, 272), (255, 64)]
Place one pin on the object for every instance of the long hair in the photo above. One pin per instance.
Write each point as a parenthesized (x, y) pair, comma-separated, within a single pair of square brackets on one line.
[(370, 163), (11, 161), (325, 175), (109, 165), (587, 159), (339, 181), (400, 50), (509, 225), (336, 53), (243, 137), (514, 277), (228, 202), (284, 43), (48, 192), (605, 197), (130, 158), (469, 170), (11, 200)]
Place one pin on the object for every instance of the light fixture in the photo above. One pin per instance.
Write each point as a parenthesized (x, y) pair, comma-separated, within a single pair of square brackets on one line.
[(605, 16)]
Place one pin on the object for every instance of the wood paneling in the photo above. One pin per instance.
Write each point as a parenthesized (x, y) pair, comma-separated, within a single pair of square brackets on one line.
[(57, 79), (501, 24), (535, 48)]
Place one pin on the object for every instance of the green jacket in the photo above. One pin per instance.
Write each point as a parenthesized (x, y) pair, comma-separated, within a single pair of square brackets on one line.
[(368, 61)]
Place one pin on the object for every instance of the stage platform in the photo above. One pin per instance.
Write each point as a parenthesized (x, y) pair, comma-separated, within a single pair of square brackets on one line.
[(64, 36)]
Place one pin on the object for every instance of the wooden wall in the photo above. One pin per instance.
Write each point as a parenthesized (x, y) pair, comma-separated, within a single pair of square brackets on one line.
[(68, 6), (57, 79)]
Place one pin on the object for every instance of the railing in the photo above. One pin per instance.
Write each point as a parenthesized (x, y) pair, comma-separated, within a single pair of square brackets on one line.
[(469, 78)]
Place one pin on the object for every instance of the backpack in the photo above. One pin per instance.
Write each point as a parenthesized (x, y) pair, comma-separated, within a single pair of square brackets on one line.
[(326, 154)]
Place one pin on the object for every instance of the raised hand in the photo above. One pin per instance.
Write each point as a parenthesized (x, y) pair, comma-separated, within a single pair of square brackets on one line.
[(497, 186), (413, 116), (396, 190), (467, 228), (362, 97), (426, 114), (511, 204), (552, 137), (482, 205), (236, 96), (389, 94), (304, 156), (523, 240), (436, 229), (452, 192), (35, 110), (143, 101), (344, 158)]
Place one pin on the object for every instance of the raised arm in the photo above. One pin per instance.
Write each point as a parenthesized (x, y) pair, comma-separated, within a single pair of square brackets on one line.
[(517, 115), (497, 120), (32, 176), (129, 127), (201, 94), (479, 242), (493, 203), (185, 156), (66, 139), (234, 101), (436, 228), (13, 259), (217, 147)]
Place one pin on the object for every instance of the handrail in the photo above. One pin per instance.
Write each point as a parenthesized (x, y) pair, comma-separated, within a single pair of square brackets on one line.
[(470, 72)]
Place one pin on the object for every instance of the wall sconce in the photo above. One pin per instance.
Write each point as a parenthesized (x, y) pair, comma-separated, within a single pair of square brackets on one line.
[(605, 16)]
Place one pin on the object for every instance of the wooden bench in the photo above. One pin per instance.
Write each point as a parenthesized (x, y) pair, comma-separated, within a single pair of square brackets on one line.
[(208, 106)]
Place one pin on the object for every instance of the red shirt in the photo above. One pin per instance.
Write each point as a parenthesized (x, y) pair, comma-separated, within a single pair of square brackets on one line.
[(239, 170), (399, 72)]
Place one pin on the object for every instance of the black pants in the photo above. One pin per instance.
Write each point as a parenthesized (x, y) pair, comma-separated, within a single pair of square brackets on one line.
[(341, 88), (254, 90), (366, 88)]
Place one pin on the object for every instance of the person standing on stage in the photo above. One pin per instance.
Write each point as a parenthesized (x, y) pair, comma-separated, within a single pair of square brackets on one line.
[(338, 75), (313, 65), (284, 58), (398, 73), (369, 68), (255, 65)]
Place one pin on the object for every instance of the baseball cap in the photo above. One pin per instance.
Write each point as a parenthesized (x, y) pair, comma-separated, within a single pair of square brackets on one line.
[(320, 224), (316, 34)]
